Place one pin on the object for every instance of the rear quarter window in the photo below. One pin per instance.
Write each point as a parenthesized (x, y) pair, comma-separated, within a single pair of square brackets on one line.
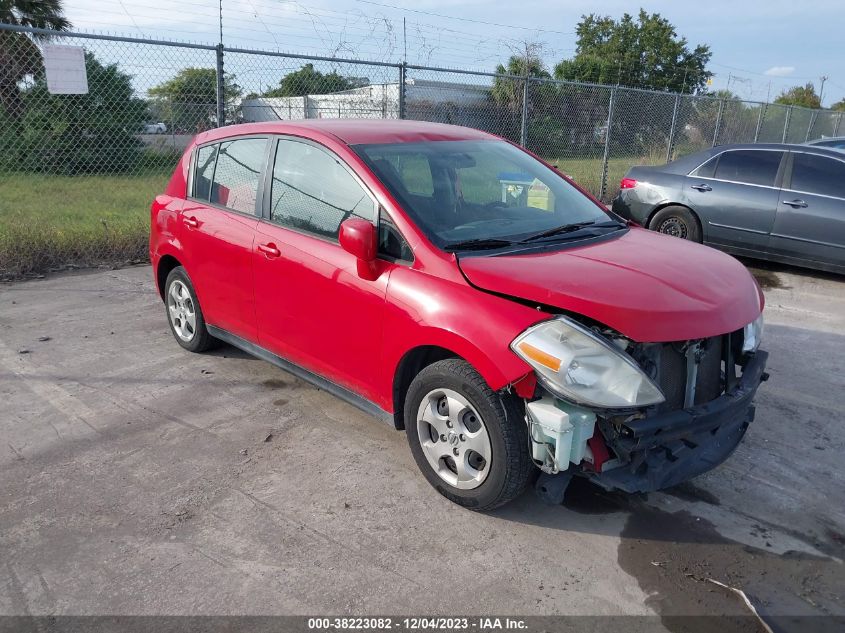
[(204, 172)]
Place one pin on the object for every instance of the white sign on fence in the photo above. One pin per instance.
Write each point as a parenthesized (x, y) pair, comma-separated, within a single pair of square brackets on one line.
[(65, 66)]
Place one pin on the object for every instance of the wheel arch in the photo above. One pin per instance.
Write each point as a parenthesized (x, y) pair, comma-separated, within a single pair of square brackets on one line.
[(412, 363), (163, 268)]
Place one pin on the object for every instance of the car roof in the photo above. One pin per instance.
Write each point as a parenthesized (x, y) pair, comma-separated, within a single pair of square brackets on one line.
[(686, 163), (353, 131)]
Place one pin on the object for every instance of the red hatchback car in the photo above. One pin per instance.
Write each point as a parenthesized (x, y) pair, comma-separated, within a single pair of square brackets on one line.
[(452, 283)]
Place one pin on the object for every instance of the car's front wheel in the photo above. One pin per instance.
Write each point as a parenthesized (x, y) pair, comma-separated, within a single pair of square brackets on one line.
[(470, 442), (184, 313), (677, 221)]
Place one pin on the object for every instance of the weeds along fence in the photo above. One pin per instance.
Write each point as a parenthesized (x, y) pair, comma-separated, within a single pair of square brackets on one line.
[(78, 171)]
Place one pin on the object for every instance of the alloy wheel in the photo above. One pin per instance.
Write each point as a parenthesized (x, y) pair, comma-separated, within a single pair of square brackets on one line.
[(181, 310), (454, 439)]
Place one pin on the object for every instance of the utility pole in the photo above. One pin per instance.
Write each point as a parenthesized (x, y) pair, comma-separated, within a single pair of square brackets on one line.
[(823, 79), (220, 19)]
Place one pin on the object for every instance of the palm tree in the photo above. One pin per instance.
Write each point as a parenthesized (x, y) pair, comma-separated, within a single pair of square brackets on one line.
[(19, 53)]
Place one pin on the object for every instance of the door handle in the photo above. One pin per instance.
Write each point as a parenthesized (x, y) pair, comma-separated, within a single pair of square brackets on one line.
[(269, 250), (191, 221), (796, 204), (701, 187)]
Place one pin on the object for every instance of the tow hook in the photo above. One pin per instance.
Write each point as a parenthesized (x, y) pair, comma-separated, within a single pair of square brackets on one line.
[(552, 488)]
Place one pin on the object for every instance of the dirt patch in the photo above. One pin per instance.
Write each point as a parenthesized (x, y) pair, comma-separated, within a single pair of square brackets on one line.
[(767, 279), (672, 556)]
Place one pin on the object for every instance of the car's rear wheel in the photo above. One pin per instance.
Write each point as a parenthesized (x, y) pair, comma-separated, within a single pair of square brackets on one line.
[(184, 313), (470, 442), (678, 222)]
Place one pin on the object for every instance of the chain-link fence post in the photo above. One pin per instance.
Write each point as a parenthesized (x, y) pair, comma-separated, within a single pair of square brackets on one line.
[(838, 121), (810, 127), (221, 88), (671, 144), (760, 116), (606, 157), (786, 123), (523, 129), (403, 73), (718, 122)]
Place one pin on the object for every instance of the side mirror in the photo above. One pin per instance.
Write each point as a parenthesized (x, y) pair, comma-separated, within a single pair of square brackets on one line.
[(359, 238)]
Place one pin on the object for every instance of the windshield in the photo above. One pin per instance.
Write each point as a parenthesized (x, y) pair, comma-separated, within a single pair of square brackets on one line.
[(479, 191)]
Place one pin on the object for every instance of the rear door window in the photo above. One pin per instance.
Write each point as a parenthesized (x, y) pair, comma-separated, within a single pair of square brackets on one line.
[(818, 174), (752, 167), (236, 176)]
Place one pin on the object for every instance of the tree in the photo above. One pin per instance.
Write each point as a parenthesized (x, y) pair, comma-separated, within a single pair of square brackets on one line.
[(507, 93), (19, 54), (188, 101), (85, 133), (800, 96), (839, 106), (528, 62), (645, 52), (307, 81)]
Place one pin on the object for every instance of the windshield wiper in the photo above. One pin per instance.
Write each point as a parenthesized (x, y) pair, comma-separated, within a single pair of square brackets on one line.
[(571, 228), (481, 243)]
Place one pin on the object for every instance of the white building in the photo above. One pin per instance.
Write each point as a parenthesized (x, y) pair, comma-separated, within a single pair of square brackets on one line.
[(377, 101)]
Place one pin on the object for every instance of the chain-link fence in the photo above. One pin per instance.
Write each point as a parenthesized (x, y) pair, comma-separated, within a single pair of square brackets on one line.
[(78, 171)]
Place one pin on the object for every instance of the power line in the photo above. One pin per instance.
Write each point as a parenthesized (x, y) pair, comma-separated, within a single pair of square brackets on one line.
[(461, 19)]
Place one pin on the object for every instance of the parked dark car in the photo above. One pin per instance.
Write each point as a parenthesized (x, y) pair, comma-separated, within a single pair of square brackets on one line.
[(834, 142), (785, 203)]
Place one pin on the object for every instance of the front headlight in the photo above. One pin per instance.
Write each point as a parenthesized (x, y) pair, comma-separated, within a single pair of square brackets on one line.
[(577, 365), (752, 334)]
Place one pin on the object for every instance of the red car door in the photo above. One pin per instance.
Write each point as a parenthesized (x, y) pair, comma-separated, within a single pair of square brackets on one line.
[(218, 223), (312, 306)]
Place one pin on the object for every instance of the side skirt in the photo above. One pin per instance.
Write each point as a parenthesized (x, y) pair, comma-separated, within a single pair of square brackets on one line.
[(300, 372)]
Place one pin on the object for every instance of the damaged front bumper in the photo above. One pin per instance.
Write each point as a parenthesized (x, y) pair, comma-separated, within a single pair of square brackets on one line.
[(667, 449), (659, 451)]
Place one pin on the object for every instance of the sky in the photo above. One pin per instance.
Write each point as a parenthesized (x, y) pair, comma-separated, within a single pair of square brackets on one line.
[(759, 47)]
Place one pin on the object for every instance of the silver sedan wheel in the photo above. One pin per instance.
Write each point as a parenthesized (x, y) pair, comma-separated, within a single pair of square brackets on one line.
[(454, 439), (181, 310)]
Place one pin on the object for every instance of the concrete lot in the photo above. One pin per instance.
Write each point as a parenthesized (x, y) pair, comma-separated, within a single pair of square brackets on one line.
[(136, 478)]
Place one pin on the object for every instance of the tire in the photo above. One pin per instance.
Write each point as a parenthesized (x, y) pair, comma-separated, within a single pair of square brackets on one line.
[(184, 314), (480, 419), (677, 221)]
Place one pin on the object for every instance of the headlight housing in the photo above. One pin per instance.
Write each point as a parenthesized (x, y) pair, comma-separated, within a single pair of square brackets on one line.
[(752, 334), (580, 366)]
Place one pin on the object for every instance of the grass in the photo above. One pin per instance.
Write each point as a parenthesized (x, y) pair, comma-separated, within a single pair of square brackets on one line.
[(587, 171), (51, 222)]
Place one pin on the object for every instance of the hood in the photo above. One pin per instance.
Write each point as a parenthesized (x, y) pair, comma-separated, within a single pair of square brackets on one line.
[(647, 286)]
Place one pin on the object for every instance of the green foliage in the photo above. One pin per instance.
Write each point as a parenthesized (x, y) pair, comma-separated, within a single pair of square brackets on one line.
[(308, 81), (19, 56), (839, 106), (72, 134), (188, 101), (800, 96), (645, 52)]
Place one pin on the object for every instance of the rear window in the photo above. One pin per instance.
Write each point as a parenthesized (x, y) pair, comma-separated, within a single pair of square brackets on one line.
[(236, 175), (753, 167), (818, 174)]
